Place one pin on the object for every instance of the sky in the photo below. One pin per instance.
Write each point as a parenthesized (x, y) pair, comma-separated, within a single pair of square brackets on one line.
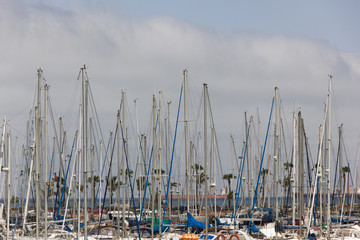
[(241, 49)]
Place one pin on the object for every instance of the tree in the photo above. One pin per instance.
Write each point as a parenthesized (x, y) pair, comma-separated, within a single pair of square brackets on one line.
[(264, 172), (228, 177), (93, 180), (113, 184), (199, 177)]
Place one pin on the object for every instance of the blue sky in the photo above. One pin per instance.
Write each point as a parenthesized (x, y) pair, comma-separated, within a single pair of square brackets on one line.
[(241, 49)]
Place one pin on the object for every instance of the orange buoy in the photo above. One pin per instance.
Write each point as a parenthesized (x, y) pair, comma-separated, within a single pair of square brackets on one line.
[(189, 237)]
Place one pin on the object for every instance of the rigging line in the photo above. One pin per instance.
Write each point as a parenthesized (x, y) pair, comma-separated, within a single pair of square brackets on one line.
[(134, 132), (95, 111), (262, 160), (16, 130), (71, 106), (347, 159), (131, 187), (335, 179), (238, 187), (282, 132), (307, 156), (21, 190), (65, 180), (235, 154), (102, 169), (172, 156), (194, 134), (216, 141), (108, 175), (148, 171), (61, 168), (54, 126), (50, 175)]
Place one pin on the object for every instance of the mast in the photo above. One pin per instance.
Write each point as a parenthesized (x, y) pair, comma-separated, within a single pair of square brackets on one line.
[(160, 170), (139, 155), (246, 157), (342, 190), (123, 158), (276, 156), (37, 151), (46, 87), (152, 172), (294, 170), (328, 159), (84, 142), (121, 167), (7, 170), (233, 174), (79, 171), (205, 162), (168, 147), (300, 172), (92, 178), (214, 173), (251, 161), (186, 144)]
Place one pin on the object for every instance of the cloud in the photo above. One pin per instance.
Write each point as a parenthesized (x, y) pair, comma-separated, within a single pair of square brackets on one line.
[(143, 56)]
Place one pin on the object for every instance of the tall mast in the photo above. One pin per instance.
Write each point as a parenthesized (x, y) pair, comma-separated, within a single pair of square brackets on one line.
[(139, 155), (8, 195), (205, 161), (168, 147), (251, 160), (342, 191), (159, 172), (328, 158), (46, 87), (122, 125), (92, 180), (120, 168), (276, 156), (37, 151), (186, 144), (84, 142), (152, 172), (246, 158), (300, 172), (214, 172), (294, 170)]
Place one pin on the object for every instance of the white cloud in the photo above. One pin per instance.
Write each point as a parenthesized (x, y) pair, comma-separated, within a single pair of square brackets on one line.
[(148, 55)]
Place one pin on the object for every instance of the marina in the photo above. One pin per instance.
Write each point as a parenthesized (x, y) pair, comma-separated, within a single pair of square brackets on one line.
[(179, 120), (113, 189)]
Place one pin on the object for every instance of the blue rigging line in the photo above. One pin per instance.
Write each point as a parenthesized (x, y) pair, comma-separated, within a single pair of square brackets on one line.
[(148, 172), (262, 160), (242, 170), (64, 184), (172, 157), (131, 186)]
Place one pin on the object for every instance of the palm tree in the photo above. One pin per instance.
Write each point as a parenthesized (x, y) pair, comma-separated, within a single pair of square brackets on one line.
[(113, 184), (93, 180), (264, 172), (200, 177), (228, 177)]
